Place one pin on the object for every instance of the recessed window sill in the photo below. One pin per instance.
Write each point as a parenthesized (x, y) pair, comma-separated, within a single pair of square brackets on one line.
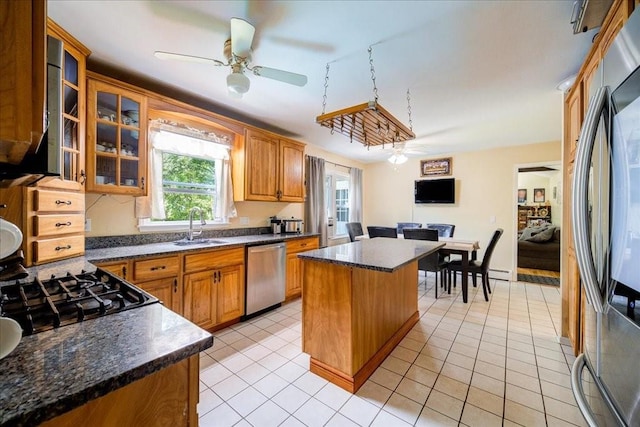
[(148, 226)]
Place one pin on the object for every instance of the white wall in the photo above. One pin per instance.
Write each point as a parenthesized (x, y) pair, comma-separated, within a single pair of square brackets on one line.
[(484, 194)]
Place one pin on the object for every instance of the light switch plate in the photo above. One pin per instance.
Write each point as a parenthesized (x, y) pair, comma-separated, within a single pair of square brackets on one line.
[(244, 220)]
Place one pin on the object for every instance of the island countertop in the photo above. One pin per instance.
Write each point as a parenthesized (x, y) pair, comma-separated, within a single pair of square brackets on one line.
[(382, 253)]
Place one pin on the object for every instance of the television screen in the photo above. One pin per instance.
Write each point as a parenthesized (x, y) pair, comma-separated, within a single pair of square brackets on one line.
[(435, 190)]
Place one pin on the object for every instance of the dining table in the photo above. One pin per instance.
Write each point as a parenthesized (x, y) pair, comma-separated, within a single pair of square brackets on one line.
[(466, 248)]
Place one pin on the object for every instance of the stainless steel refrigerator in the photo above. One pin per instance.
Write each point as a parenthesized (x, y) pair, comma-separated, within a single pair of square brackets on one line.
[(606, 224)]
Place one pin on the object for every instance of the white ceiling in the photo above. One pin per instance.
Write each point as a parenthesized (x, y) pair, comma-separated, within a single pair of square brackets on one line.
[(481, 73)]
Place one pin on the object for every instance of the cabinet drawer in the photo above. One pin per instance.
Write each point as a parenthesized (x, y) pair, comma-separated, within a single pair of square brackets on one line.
[(301, 245), (147, 269), (213, 259), (53, 225), (53, 249), (57, 201)]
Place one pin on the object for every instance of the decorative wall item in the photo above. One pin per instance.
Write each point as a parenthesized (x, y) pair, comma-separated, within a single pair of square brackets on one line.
[(538, 195), (436, 167), (522, 195)]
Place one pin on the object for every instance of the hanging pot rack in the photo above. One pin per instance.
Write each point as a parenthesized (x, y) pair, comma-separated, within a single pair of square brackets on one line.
[(368, 123)]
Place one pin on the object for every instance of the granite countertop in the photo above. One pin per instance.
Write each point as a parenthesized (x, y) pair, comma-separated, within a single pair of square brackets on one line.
[(382, 253), (168, 248), (52, 372)]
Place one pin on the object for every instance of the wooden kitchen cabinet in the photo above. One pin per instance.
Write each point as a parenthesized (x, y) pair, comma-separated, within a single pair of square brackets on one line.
[(119, 268), (213, 284), (273, 168), (116, 139), (168, 397), (74, 95), (51, 220), (293, 286), (23, 84), (160, 277)]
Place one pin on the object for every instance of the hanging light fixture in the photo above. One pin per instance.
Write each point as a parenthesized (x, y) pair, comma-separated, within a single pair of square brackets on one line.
[(368, 123), (397, 159)]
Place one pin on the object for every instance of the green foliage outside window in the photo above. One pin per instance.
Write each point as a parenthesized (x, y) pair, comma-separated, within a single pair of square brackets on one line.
[(187, 182)]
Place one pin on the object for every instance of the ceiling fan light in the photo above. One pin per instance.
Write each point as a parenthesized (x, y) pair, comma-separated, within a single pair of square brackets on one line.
[(397, 159), (238, 83)]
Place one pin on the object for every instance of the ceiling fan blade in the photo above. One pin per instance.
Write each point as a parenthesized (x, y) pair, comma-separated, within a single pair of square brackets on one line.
[(280, 75), (190, 58), (241, 37)]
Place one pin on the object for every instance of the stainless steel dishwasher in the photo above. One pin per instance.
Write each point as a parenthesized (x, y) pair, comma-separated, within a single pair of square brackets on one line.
[(265, 278)]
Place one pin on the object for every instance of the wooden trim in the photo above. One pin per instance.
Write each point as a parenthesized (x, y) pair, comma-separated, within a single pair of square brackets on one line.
[(59, 32), (353, 384)]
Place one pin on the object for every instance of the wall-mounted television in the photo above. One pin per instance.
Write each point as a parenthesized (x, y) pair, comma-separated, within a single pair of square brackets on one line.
[(435, 190)]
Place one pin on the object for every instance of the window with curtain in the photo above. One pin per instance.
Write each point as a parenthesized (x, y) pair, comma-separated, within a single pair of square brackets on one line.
[(187, 169), (337, 191)]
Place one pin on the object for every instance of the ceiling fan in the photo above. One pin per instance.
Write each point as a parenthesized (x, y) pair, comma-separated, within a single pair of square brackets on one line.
[(237, 50)]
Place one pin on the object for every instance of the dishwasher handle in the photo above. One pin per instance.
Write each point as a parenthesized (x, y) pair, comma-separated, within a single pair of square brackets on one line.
[(265, 248)]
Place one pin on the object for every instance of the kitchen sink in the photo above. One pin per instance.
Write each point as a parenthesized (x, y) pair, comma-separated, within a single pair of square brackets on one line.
[(186, 242)]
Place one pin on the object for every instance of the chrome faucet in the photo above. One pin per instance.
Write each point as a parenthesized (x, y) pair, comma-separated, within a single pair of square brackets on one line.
[(193, 233)]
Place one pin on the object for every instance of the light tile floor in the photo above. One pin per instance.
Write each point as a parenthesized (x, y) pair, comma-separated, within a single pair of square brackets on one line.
[(478, 364)]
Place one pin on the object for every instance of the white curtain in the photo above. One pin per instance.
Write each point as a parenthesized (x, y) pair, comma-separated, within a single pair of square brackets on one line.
[(315, 211), (181, 144), (355, 196)]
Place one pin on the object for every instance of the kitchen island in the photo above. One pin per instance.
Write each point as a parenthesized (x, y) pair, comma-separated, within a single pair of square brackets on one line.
[(358, 301), (134, 367)]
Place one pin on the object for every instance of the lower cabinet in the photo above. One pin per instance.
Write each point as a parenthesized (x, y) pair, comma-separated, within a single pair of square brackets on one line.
[(201, 298), (214, 287), (168, 397), (293, 287), (119, 268), (166, 290)]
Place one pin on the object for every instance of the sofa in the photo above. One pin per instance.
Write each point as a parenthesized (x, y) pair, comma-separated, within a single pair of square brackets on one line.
[(539, 248)]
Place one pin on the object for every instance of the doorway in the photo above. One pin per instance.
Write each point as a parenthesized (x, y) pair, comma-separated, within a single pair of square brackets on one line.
[(538, 218)]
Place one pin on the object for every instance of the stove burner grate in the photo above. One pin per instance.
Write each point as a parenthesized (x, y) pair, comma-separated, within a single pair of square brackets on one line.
[(41, 305)]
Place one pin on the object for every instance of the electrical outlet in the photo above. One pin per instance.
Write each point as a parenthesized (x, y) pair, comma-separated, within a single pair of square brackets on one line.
[(87, 224), (244, 220), (492, 219)]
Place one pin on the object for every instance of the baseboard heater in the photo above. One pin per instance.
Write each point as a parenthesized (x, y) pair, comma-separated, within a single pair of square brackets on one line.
[(500, 274)]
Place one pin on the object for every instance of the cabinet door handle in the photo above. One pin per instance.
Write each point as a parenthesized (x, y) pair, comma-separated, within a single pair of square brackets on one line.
[(83, 177), (160, 267), (124, 272), (215, 277), (142, 182), (62, 224), (60, 248), (63, 202), (175, 285)]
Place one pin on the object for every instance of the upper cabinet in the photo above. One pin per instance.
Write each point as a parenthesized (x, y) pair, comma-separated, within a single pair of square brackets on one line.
[(268, 168), (23, 64), (116, 139), (74, 93)]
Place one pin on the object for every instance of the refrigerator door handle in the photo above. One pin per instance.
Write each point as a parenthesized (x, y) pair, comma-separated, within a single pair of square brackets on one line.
[(578, 391), (580, 211)]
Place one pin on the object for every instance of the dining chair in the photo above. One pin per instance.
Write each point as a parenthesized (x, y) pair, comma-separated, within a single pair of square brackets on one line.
[(431, 262), (375, 231), (444, 230), (403, 225), (354, 229), (478, 267)]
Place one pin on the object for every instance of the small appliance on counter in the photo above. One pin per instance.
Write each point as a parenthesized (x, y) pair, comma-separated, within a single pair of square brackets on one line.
[(292, 226), (276, 225)]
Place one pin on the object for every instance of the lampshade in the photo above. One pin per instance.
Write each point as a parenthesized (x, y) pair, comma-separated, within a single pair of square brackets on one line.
[(397, 159), (238, 83)]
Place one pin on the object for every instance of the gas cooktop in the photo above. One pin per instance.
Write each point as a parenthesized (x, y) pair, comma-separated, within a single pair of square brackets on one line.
[(41, 305)]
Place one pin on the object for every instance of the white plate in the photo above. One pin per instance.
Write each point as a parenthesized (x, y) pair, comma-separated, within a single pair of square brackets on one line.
[(10, 238), (10, 335)]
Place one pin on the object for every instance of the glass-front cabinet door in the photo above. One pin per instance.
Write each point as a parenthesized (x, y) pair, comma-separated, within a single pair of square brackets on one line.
[(116, 140), (74, 108)]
